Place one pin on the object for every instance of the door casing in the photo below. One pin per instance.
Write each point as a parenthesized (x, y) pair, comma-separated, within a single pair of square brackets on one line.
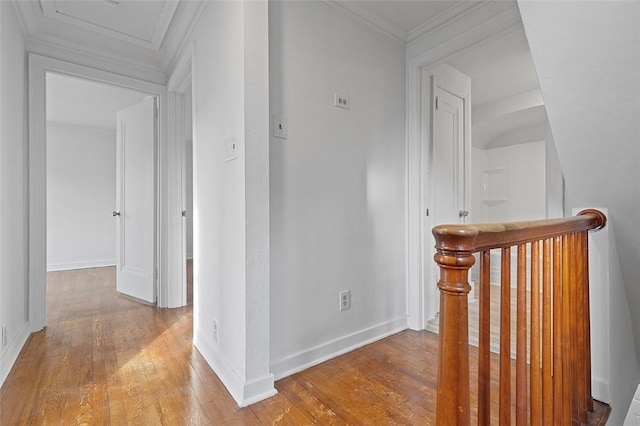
[(39, 66), (493, 20)]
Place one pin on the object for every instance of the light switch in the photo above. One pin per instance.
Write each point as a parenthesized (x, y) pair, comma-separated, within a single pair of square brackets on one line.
[(280, 127)]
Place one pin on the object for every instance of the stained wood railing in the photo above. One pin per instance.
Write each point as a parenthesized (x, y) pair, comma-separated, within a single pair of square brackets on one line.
[(554, 387)]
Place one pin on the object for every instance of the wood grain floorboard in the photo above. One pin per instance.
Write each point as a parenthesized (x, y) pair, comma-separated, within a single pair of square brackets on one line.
[(104, 359)]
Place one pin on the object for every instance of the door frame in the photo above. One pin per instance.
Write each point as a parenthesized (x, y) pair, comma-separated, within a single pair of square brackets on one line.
[(424, 55), (173, 260), (39, 66)]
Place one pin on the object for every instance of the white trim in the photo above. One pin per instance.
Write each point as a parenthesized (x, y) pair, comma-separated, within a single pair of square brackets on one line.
[(302, 360), (67, 266), (38, 67), (12, 351), (481, 25), (373, 20), (186, 44), (74, 52), (243, 393), (174, 258), (448, 17)]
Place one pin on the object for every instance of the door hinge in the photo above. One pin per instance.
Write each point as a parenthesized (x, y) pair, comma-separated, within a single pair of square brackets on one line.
[(426, 212), (436, 103)]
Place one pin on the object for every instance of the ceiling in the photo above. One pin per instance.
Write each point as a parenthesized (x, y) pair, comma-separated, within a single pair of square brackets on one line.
[(498, 69), (144, 23), (82, 102)]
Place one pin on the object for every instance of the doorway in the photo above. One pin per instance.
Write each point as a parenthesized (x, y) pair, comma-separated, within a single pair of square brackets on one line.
[(39, 69), (503, 86)]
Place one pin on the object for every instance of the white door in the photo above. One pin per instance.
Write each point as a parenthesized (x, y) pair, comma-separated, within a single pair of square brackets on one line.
[(450, 168), (135, 201)]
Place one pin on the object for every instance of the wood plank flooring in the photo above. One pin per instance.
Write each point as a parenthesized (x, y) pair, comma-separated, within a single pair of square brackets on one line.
[(106, 360)]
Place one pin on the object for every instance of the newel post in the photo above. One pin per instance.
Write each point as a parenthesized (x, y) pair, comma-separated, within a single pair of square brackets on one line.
[(453, 363)]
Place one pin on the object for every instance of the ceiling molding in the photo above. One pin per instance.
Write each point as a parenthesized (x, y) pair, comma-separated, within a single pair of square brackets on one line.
[(445, 18), (179, 36), (54, 37), (389, 29), (153, 41)]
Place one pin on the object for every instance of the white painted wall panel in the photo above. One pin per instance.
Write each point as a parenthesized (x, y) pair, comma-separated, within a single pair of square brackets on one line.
[(337, 184), (231, 217), (14, 287), (81, 184), (590, 86)]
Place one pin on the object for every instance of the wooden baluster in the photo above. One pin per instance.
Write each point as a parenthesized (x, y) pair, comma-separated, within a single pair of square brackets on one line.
[(547, 367), (588, 401), (565, 335), (521, 337), (573, 326), (558, 344), (504, 406), (453, 403), (579, 320), (534, 364), (484, 344)]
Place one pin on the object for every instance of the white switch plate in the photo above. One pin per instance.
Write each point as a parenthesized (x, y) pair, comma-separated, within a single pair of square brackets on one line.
[(280, 127), (230, 148), (341, 101)]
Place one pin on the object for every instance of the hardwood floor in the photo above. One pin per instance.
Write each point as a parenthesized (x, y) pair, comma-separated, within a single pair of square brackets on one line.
[(106, 360)]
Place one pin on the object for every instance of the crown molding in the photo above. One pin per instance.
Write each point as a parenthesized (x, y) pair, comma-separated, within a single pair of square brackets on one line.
[(179, 38), (444, 19), (352, 9), (168, 8)]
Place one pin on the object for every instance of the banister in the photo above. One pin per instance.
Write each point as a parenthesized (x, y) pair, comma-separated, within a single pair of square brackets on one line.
[(455, 247), (486, 236)]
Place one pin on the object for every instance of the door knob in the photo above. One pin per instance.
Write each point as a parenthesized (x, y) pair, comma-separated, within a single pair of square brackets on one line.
[(184, 213), (115, 213)]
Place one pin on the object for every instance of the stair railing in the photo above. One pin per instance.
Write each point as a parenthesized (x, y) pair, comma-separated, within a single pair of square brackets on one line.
[(555, 386)]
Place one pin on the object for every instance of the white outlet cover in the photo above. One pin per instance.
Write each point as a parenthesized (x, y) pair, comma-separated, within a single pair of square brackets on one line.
[(230, 148), (342, 102), (280, 127)]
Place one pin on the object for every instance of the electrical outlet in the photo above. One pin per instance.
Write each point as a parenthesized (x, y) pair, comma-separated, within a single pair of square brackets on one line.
[(4, 336), (216, 331), (345, 300), (341, 101)]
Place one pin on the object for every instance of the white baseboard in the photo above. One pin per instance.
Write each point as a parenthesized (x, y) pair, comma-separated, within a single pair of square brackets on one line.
[(302, 360), (12, 351), (65, 266), (600, 390), (242, 392)]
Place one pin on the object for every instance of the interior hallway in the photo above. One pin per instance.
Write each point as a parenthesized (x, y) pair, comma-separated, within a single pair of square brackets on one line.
[(105, 359)]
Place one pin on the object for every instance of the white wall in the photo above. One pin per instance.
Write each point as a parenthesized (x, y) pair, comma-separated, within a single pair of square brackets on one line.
[(81, 194), (231, 216), (590, 86), (14, 289), (337, 184), (555, 178), (510, 182)]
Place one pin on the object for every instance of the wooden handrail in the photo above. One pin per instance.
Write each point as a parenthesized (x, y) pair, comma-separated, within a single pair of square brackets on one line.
[(559, 372)]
